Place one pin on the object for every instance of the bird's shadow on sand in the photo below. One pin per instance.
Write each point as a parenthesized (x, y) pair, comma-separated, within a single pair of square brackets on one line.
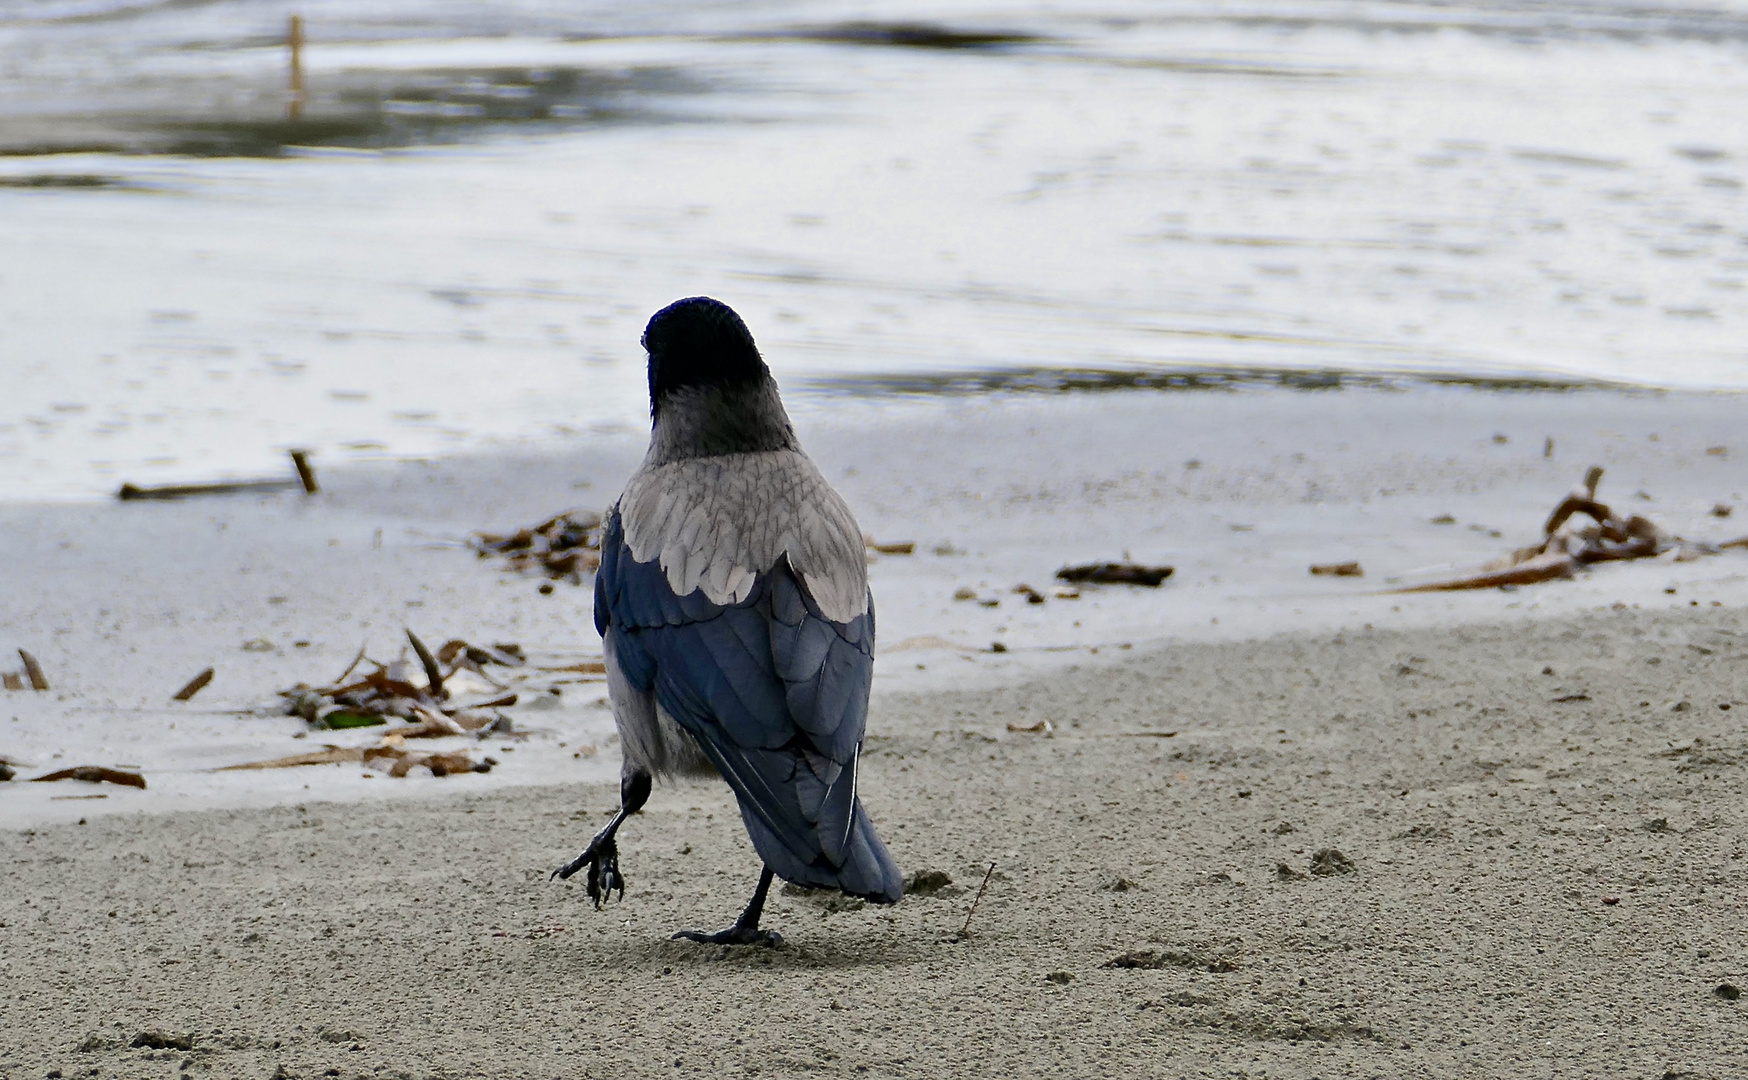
[(806, 949)]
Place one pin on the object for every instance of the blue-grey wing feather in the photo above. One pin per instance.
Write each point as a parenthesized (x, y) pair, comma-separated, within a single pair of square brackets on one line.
[(776, 695)]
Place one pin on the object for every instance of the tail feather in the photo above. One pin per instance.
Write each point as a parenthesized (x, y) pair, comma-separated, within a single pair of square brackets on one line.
[(867, 871)]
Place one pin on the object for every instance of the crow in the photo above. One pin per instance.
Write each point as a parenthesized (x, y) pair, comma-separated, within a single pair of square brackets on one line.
[(737, 623)]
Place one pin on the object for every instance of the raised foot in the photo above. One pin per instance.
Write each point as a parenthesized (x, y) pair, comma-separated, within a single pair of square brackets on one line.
[(602, 859), (734, 935)]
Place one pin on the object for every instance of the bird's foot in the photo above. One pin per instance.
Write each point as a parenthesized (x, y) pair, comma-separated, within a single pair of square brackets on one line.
[(602, 859), (734, 935)]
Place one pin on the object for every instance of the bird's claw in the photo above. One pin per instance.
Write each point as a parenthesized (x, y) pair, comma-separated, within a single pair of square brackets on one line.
[(734, 935), (604, 876), (602, 859)]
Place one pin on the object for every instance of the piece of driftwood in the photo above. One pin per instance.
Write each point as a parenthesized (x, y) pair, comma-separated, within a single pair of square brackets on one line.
[(1346, 569), (1568, 545), (93, 774), (1529, 572), (902, 547), (306, 479), (1115, 573), (131, 492), (195, 686)]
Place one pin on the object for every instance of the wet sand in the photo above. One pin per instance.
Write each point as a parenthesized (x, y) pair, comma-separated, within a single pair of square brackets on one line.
[(1240, 491), (1544, 823)]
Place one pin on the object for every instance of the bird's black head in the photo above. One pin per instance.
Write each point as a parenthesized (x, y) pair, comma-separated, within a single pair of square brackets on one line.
[(709, 392), (698, 343)]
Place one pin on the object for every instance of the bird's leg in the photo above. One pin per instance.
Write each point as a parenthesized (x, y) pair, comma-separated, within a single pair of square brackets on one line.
[(745, 930), (602, 854)]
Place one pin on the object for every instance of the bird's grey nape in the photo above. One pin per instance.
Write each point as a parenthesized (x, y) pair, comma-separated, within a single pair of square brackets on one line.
[(710, 392), (709, 421)]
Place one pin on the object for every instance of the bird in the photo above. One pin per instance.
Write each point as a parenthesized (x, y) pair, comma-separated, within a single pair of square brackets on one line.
[(737, 624)]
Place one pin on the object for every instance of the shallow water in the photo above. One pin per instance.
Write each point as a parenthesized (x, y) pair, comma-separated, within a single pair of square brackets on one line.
[(456, 243)]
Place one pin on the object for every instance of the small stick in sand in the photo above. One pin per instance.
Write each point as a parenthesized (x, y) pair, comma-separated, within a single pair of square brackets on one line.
[(356, 660), (195, 686), (34, 670), (134, 493), (433, 674), (306, 479), (301, 461), (294, 42), (965, 931)]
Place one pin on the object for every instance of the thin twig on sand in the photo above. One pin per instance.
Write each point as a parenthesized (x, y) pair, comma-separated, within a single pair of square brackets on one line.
[(195, 686), (306, 479), (965, 931)]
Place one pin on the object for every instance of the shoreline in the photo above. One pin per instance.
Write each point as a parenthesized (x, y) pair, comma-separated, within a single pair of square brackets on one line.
[(1241, 493)]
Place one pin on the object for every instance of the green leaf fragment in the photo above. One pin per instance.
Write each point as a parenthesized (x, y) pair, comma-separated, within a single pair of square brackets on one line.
[(342, 719)]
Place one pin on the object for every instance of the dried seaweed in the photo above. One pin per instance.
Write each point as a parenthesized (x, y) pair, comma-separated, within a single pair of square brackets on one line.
[(332, 755), (399, 691), (94, 774), (1115, 573), (562, 548), (389, 757), (900, 547), (33, 671)]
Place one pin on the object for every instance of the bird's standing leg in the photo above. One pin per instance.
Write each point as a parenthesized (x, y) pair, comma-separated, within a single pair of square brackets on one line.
[(602, 854), (745, 930)]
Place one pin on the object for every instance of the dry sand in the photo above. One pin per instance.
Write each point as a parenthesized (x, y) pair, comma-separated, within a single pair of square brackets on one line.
[(1545, 823)]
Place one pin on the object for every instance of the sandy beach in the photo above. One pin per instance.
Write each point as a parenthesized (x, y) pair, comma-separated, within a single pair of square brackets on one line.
[(1535, 795), (1541, 824), (1242, 291)]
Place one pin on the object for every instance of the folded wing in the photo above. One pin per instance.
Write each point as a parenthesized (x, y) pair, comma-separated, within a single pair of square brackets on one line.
[(776, 695)]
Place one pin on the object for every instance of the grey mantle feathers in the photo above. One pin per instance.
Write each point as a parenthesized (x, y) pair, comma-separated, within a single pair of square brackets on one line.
[(716, 523)]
